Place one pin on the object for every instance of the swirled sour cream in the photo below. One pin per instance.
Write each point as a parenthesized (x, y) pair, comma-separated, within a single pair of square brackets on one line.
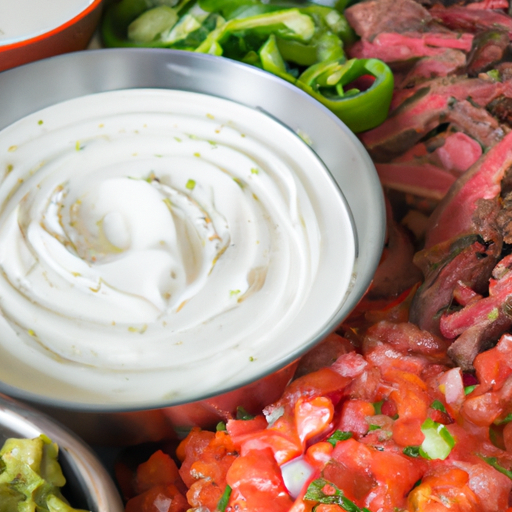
[(161, 245)]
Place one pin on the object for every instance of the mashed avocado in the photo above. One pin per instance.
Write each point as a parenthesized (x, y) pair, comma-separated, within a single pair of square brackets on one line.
[(31, 477)]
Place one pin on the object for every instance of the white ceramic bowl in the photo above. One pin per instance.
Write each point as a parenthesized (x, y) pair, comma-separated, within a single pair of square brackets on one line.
[(32, 30), (336, 171)]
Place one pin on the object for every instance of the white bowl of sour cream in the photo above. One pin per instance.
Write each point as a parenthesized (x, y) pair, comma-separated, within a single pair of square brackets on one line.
[(173, 235), (34, 29)]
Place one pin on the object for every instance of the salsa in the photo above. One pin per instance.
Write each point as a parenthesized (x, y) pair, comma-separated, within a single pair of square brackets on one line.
[(390, 425)]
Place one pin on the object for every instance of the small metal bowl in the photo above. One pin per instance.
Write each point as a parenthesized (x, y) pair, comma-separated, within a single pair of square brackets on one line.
[(79, 74), (88, 485)]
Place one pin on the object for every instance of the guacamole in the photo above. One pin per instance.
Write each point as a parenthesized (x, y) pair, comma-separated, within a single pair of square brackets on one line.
[(31, 477)]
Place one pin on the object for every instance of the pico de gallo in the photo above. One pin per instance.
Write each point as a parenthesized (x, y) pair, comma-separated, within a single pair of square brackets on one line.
[(391, 425)]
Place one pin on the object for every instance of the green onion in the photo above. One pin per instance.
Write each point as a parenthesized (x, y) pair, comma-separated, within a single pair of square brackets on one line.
[(493, 461), (438, 442), (224, 499)]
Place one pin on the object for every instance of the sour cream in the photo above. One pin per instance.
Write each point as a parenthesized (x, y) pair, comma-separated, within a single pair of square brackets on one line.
[(161, 246), (25, 19)]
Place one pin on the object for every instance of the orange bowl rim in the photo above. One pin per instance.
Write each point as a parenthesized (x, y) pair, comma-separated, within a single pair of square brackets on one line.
[(32, 40)]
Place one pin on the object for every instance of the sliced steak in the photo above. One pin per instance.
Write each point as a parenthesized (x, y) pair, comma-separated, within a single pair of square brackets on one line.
[(489, 48), (428, 107), (501, 109), (481, 323), (420, 178), (476, 122), (372, 17), (471, 20), (463, 242), (504, 218), (449, 62), (458, 153)]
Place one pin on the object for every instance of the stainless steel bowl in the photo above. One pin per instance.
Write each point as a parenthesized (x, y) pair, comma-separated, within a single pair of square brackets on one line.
[(32, 87), (88, 486)]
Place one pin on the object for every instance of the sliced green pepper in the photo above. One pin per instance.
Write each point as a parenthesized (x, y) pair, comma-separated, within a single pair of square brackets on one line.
[(287, 38), (359, 110), (272, 60), (289, 23), (152, 23)]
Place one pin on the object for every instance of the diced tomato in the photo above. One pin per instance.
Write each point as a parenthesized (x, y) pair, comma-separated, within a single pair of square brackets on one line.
[(205, 493), (195, 441), (161, 498), (350, 365), (324, 382), (257, 484), (215, 460), (389, 408), (444, 489), (351, 470), (190, 450), (300, 505), (237, 429), (382, 478), (312, 416), (494, 366), (482, 409), (159, 469), (354, 415), (319, 454), (284, 447), (356, 483), (396, 475), (507, 436)]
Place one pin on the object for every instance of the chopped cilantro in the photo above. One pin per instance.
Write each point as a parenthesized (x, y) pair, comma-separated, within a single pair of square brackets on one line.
[(411, 451), (338, 435), (326, 493), (469, 389), (438, 406), (221, 427)]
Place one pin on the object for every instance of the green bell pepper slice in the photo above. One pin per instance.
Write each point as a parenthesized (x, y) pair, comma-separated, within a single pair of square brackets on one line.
[(359, 110), (118, 17), (272, 60), (289, 23)]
